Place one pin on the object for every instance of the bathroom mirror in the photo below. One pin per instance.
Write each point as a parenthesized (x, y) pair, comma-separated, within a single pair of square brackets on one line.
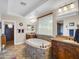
[(45, 25), (30, 28)]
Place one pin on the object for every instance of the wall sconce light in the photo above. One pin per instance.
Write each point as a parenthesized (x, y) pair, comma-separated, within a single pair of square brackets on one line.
[(72, 6), (65, 8)]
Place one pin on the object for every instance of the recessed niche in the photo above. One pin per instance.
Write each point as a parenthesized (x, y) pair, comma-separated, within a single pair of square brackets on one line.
[(22, 30), (19, 30)]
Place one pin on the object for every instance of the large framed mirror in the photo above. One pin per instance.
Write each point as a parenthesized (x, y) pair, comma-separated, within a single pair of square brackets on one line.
[(45, 25)]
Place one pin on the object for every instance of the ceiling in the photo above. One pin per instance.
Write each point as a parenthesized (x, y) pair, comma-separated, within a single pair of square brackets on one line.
[(23, 7), (3, 6), (47, 7), (19, 7), (29, 8)]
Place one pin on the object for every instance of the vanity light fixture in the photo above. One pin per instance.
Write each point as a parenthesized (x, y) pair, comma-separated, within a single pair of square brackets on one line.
[(72, 5), (65, 8)]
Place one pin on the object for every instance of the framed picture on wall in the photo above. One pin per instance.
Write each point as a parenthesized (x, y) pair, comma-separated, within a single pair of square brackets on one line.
[(71, 24), (21, 24), (0, 25)]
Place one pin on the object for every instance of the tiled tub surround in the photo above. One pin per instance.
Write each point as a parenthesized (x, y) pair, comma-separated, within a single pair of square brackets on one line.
[(44, 37), (38, 49)]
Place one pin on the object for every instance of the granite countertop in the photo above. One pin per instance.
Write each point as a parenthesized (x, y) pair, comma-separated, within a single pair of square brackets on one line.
[(67, 41)]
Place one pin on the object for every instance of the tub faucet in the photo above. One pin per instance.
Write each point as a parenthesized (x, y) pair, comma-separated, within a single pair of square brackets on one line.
[(42, 45)]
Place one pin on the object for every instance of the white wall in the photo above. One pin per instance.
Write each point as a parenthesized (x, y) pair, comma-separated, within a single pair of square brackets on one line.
[(3, 7), (19, 37), (68, 17), (54, 23), (66, 22)]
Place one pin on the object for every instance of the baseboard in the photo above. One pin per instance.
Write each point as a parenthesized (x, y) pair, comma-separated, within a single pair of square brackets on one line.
[(19, 43)]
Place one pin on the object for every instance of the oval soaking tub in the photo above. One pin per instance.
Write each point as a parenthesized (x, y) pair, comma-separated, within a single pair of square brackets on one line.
[(38, 49), (38, 43)]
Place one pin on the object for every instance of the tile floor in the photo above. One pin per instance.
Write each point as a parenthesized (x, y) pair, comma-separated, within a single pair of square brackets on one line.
[(15, 52)]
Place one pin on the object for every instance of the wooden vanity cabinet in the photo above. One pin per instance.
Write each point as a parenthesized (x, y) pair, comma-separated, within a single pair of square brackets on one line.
[(66, 52), (28, 36), (54, 50), (60, 53), (61, 50)]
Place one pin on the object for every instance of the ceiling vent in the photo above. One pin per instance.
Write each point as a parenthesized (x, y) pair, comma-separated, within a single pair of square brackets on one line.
[(23, 3)]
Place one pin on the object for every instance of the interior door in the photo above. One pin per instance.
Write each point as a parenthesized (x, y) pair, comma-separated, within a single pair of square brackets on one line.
[(9, 32)]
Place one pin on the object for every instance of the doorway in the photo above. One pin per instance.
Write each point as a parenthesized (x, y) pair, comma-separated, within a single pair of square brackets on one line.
[(60, 28), (71, 32), (9, 33)]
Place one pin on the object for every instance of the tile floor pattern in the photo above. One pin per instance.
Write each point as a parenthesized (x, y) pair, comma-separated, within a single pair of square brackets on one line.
[(18, 51)]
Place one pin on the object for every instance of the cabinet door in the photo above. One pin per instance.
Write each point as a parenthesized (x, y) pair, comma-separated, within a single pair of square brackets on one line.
[(64, 51), (72, 52), (61, 51), (69, 53), (77, 52), (54, 50)]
